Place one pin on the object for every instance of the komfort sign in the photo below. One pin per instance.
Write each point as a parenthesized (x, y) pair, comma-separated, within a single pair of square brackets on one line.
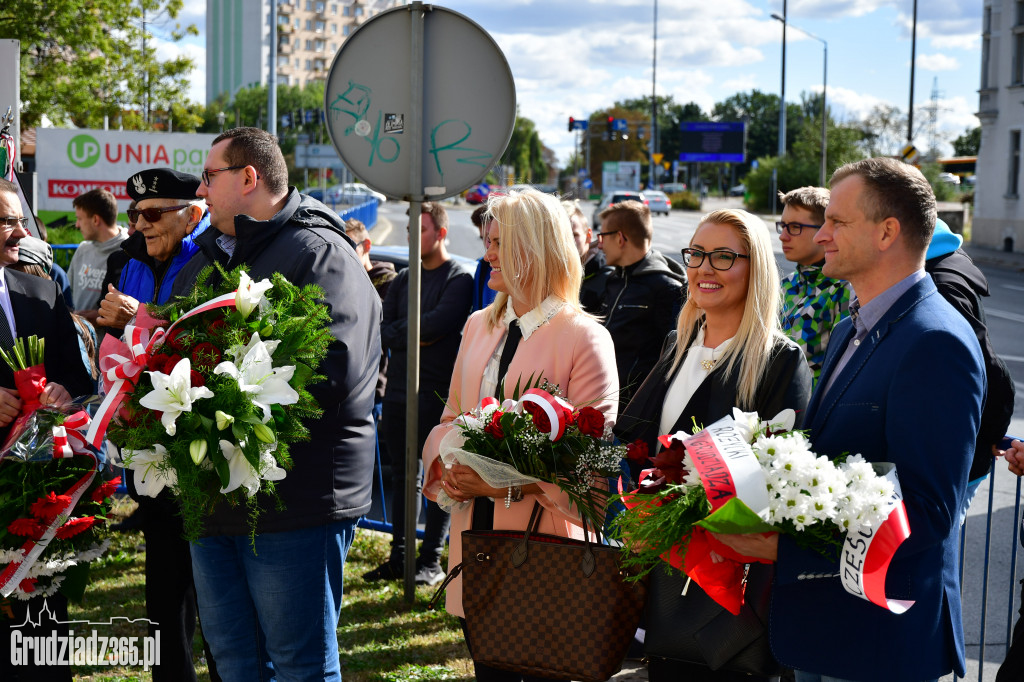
[(71, 162)]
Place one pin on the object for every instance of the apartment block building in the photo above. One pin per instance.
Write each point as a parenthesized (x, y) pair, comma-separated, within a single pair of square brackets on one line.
[(309, 33)]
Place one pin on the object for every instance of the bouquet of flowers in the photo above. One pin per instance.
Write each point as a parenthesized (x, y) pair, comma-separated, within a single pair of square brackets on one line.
[(53, 508), (742, 475), (212, 403), (537, 438), (30, 435)]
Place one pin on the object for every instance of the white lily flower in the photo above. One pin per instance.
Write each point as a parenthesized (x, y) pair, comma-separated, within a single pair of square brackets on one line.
[(249, 293), (256, 375), (242, 474), (173, 394), (150, 478)]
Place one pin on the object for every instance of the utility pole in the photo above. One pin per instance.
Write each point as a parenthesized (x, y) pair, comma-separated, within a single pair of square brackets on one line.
[(782, 96), (272, 76), (651, 146), (913, 53)]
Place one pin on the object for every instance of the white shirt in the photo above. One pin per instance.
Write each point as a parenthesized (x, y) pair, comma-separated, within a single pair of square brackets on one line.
[(689, 378), (528, 324), (5, 303)]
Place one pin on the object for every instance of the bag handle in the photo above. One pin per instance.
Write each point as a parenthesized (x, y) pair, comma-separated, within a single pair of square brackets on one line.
[(452, 575), (588, 564)]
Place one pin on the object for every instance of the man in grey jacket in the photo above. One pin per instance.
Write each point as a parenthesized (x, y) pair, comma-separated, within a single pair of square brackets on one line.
[(272, 610)]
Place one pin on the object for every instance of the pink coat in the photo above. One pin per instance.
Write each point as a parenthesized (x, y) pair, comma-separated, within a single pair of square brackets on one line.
[(571, 350)]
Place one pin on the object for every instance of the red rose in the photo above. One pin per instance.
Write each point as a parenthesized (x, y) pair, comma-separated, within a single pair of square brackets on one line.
[(158, 362), (590, 422), (494, 427), (637, 451), (75, 526), (49, 506), (29, 528), (105, 490), (177, 339), (670, 461), (217, 326), (196, 378), (28, 585), (171, 362), (540, 420), (205, 356)]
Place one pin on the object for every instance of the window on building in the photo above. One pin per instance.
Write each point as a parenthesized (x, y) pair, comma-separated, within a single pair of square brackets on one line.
[(320, 45), (309, 64), (346, 29), (986, 24), (321, 27), (298, 23), (298, 63), (321, 8), (347, 11), (1018, 59), (358, 11), (309, 24), (283, 40), (309, 45), (1020, 13), (282, 62), (334, 9), (1013, 188), (334, 29), (986, 49), (282, 79)]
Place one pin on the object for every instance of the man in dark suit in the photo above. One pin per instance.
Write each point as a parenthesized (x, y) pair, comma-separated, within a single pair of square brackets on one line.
[(903, 381), (31, 305)]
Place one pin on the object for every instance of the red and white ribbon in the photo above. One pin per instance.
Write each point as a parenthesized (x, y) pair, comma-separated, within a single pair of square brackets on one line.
[(727, 466), (866, 556), (122, 363), (15, 572), (556, 410)]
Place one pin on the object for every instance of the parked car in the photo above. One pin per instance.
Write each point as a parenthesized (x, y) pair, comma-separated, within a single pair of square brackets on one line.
[(657, 201), (399, 257), (613, 198), (672, 187), (737, 191), (949, 178), (478, 194), (353, 193)]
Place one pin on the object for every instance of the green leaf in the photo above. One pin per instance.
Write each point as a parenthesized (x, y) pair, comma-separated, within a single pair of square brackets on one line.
[(735, 517)]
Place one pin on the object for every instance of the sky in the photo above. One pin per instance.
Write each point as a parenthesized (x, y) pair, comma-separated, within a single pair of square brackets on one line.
[(575, 57)]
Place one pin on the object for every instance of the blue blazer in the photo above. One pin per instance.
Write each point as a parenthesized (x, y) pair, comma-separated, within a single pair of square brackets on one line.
[(912, 395)]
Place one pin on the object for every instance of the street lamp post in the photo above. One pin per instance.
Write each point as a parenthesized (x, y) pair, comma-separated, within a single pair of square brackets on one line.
[(782, 95), (824, 94)]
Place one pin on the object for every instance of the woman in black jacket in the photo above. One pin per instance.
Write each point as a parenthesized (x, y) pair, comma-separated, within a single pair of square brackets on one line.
[(728, 351)]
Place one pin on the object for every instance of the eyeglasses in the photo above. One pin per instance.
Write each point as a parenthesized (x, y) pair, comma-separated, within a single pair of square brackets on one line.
[(152, 215), (602, 235), (12, 222), (720, 259), (208, 173), (794, 229)]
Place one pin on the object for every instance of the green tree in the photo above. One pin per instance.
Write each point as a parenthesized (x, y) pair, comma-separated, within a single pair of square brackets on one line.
[(525, 152), (884, 130), (969, 143), (81, 63), (670, 115), (842, 141)]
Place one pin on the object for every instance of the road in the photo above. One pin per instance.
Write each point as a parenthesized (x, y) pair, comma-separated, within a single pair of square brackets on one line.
[(1005, 314)]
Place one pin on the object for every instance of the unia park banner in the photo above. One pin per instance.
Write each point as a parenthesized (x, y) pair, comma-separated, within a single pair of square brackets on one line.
[(71, 162)]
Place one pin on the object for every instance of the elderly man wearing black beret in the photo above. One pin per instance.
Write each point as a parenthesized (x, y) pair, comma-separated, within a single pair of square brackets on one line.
[(168, 218)]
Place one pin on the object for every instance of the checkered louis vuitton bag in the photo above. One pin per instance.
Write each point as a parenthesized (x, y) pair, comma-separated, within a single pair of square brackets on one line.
[(545, 605)]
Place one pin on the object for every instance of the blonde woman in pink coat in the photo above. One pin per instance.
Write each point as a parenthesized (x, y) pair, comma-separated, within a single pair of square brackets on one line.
[(535, 268)]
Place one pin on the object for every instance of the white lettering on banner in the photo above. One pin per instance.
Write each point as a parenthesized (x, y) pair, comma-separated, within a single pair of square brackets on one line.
[(728, 466), (69, 189)]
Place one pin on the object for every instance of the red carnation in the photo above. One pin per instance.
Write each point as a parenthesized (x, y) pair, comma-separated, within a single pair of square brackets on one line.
[(105, 490), (637, 451), (75, 526), (494, 427), (205, 356), (28, 585), (49, 506), (29, 528), (590, 422), (670, 461)]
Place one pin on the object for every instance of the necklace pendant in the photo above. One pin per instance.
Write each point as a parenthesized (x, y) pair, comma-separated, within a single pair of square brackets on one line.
[(707, 364)]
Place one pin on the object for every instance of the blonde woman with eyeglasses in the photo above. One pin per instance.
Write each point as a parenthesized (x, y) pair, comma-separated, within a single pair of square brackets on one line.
[(727, 351)]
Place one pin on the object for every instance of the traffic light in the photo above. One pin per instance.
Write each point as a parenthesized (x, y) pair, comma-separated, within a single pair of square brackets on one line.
[(640, 132), (611, 128), (572, 124)]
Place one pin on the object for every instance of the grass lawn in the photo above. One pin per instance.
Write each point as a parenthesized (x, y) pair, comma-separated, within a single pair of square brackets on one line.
[(380, 636)]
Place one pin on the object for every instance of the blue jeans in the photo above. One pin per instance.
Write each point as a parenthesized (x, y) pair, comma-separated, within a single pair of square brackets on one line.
[(802, 676), (273, 616)]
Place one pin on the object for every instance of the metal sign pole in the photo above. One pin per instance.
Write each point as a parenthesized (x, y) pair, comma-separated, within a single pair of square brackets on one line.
[(412, 391)]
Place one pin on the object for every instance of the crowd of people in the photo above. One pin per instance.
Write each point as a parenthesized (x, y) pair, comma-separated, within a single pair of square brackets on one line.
[(876, 336)]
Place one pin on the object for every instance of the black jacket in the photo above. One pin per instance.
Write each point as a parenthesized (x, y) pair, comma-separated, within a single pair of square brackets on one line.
[(595, 280), (960, 282), (786, 384), (641, 304), (333, 471)]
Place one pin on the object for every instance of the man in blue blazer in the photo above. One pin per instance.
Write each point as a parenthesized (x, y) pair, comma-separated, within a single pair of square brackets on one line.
[(903, 382)]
